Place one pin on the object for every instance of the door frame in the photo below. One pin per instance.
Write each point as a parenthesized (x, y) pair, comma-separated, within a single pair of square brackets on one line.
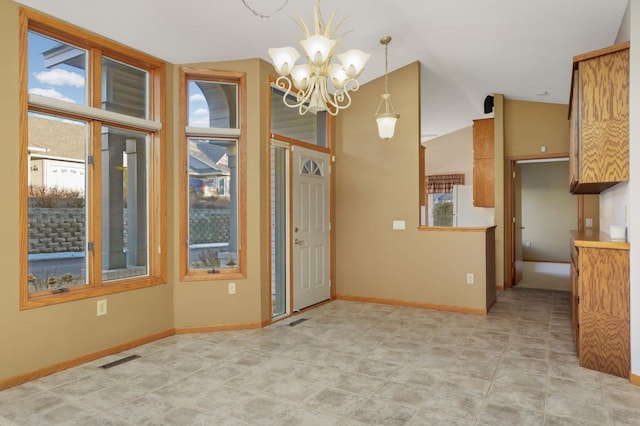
[(510, 231), (288, 253), (283, 140)]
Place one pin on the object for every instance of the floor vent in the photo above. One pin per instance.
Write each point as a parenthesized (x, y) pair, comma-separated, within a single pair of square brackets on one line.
[(296, 322), (120, 361)]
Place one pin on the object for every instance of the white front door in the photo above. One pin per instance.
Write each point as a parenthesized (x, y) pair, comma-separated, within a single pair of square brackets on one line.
[(311, 262)]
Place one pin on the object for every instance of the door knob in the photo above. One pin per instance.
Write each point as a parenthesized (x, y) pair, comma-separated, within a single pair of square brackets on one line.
[(298, 242)]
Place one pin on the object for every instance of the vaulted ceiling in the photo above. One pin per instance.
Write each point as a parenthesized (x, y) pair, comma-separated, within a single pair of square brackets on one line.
[(468, 49)]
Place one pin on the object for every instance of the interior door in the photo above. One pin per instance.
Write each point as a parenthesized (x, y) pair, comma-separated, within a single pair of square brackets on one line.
[(311, 240)]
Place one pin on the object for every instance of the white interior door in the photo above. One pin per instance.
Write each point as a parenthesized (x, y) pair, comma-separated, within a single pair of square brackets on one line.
[(310, 198)]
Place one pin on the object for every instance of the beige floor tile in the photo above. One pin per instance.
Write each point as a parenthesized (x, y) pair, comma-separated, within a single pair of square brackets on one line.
[(569, 406), (350, 364), (335, 401), (376, 412), (497, 414)]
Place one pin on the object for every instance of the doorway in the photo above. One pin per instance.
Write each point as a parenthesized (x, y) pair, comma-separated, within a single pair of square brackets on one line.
[(541, 212), (300, 230)]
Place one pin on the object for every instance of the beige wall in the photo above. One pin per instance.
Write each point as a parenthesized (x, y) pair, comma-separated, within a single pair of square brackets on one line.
[(37, 338), (499, 145), (451, 153), (377, 183), (207, 303), (529, 125), (548, 211)]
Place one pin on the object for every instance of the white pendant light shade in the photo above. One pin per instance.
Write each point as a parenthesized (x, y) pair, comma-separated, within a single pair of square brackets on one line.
[(318, 48), (301, 74), (386, 125), (353, 62), (338, 76), (386, 116), (284, 58)]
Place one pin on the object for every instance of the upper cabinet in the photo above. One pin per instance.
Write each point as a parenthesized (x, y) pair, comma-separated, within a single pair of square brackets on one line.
[(483, 163), (599, 120)]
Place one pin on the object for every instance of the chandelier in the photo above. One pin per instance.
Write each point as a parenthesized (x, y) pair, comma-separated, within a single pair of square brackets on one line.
[(386, 116), (312, 81)]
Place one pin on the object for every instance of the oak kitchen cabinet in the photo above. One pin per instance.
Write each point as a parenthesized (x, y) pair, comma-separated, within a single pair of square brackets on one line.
[(600, 302), (483, 163), (599, 120)]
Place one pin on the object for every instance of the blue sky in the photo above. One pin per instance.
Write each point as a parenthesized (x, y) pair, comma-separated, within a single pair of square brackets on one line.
[(61, 82)]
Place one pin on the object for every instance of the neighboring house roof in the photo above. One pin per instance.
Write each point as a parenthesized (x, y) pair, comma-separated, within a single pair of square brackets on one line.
[(56, 138), (207, 159)]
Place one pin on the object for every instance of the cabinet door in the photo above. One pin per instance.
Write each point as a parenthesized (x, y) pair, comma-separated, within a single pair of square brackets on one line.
[(604, 115), (604, 310), (483, 182), (575, 300), (483, 163)]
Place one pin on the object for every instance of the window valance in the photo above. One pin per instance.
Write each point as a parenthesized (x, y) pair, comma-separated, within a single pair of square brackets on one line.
[(437, 184)]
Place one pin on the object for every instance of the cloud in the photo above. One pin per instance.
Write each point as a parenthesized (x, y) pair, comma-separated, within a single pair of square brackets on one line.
[(196, 98), (198, 122), (60, 77), (50, 93), (201, 111)]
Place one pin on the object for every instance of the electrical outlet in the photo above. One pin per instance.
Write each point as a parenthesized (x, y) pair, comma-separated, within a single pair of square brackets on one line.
[(470, 279), (232, 288), (101, 307), (527, 244), (399, 225), (589, 222)]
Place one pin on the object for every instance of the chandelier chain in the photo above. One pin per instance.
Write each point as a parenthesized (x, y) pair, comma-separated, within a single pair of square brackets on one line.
[(260, 15)]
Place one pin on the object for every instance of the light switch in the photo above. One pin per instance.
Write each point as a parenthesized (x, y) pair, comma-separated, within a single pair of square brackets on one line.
[(399, 225)]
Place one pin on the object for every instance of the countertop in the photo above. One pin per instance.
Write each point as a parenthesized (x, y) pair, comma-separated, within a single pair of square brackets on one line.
[(597, 240)]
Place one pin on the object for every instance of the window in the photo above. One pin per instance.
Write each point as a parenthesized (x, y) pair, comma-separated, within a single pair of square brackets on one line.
[(288, 123), (92, 154), (213, 189), (440, 198)]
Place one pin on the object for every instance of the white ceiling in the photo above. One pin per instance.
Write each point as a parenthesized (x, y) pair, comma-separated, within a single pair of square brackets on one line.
[(468, 48)]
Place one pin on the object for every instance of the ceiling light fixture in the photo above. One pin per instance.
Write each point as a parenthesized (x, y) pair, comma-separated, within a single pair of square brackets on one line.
[(387, 118), (311, 81)]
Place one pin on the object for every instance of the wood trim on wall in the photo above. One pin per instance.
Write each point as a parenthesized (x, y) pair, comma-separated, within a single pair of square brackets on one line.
[(221, 327), (212, 75), (407, 304), (455, 228), (45, 371), (634, 379)]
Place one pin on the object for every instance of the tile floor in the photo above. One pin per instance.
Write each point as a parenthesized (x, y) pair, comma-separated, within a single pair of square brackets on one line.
[(350, 363)]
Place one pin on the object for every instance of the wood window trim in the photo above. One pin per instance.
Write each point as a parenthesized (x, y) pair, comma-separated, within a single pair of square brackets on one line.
[(97, 47), (239, 78)]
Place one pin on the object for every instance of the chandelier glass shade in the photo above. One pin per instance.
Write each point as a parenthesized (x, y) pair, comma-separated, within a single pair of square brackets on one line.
[(386, 116), (311, 83)]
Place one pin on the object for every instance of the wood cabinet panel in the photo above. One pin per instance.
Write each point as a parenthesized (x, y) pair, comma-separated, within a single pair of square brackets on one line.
[(483, 163), (575, 296), (599, 120), (604, 329)]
